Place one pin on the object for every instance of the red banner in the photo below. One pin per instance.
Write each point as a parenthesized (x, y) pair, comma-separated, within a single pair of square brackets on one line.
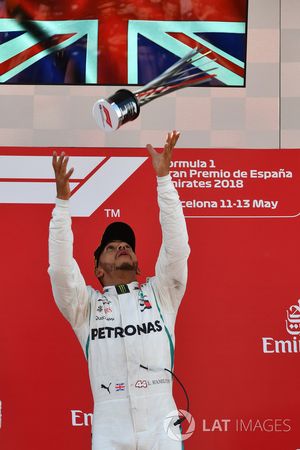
[(238, 328)]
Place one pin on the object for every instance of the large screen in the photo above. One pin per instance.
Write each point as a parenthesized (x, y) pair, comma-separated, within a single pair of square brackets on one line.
[(112, 42)]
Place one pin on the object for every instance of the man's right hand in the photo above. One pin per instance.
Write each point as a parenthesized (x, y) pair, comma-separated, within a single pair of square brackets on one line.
[(62, 177)]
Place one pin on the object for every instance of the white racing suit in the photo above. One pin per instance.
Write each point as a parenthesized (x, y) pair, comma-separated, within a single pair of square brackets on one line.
[(125, 327)]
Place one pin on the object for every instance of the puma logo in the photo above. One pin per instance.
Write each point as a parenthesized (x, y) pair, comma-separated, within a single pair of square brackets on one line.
[(106, 387)]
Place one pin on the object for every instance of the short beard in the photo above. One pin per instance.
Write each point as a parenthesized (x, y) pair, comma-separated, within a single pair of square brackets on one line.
[(127, 266)]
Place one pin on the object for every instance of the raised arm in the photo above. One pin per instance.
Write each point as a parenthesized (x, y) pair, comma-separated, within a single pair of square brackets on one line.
[(171, 266), (69, 289)]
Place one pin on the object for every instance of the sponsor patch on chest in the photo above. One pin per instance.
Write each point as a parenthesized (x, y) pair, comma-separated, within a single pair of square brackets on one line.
[(104, 309), (129, 330), (144, 301)]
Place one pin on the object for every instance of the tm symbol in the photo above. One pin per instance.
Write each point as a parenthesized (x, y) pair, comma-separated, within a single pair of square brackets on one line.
[(110, 212)]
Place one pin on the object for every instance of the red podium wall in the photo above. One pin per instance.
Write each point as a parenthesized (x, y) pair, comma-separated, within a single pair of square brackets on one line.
[(238, 328)]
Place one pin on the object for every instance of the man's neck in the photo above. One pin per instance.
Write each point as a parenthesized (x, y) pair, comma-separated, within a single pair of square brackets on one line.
[(119, 277)]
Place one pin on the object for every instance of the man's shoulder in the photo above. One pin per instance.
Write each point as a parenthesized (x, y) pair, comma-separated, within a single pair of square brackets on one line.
[(94, 293), (153, 284)]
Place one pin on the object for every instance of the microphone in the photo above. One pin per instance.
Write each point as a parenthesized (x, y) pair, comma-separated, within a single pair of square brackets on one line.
[(180, 419)]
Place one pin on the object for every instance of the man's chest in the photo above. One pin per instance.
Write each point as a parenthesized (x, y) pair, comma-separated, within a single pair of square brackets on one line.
[(124, 314)]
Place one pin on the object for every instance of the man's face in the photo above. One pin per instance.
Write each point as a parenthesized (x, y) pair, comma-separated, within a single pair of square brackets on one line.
[(117, 255)]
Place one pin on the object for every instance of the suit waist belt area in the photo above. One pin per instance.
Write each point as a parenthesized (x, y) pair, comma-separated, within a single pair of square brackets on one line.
[(144, 412)]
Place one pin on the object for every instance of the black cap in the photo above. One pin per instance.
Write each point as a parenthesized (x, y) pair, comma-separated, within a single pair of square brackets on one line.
[(116, 231)]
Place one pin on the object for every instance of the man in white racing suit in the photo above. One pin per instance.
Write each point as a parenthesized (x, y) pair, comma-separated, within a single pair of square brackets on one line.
[(126, 332)]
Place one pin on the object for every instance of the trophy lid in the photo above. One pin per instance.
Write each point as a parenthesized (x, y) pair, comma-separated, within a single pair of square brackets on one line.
[(107, 115), (116, 110)]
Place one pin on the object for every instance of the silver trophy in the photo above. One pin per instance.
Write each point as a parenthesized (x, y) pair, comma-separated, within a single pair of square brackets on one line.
[(124, 106)]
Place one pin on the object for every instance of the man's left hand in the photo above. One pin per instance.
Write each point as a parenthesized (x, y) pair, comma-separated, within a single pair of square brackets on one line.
[(161, 160)]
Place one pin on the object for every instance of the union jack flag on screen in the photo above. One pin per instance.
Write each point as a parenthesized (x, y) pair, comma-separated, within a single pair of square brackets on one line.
[(116, 42)]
